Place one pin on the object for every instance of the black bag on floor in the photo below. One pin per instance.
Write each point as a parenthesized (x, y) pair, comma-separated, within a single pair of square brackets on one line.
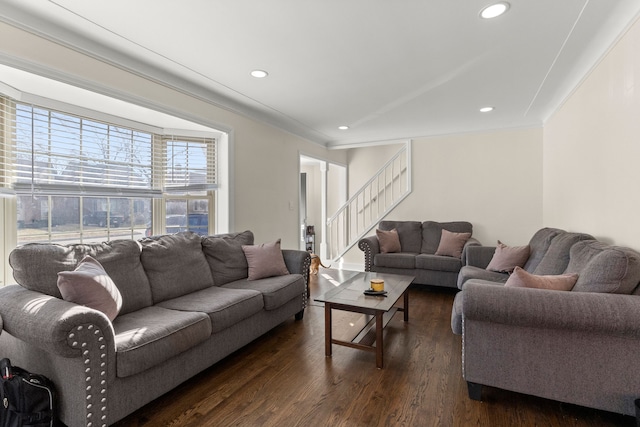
[(25, 399)]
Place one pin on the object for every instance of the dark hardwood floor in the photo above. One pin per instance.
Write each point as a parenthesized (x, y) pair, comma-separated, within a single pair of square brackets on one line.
[(284, 379)]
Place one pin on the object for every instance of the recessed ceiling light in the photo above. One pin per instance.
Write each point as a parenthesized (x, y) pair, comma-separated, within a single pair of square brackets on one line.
[(259, 74), (343, 127), (494, 10), (486, 109)]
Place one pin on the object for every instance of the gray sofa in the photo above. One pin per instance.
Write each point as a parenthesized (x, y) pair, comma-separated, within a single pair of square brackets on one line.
[(419, 242), (575, 346), (186, 304)]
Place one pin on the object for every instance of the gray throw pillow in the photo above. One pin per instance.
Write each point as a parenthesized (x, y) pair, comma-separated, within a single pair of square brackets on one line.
[(225, 256)]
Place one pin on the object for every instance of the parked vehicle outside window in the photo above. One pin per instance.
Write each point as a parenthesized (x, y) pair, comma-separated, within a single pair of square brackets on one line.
[(196, 222), (99, 218)]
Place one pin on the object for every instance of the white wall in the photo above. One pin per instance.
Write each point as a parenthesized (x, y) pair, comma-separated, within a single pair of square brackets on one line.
[(265, 165), (592, 151), (492, 179)]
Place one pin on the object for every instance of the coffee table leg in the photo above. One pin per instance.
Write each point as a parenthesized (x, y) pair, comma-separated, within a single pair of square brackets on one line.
[(406, 305), (327, 329), (379, 344)]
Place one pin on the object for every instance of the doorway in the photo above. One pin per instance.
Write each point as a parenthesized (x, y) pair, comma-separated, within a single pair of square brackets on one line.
[(323, 190)]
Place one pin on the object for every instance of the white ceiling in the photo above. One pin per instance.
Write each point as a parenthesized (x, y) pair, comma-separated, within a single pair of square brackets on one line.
[(389, 69)]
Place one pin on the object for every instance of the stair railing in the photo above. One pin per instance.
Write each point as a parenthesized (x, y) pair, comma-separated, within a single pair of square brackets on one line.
[(370, 204)]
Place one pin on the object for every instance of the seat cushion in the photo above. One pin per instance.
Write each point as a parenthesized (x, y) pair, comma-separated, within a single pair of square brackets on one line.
[(399, 260), (276, 291), (438, 263), (175, 265), (149, 336), (470, 272), (225, 307)]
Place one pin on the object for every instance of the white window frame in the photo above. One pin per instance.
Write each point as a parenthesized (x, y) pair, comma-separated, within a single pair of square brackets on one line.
[(219, 200)]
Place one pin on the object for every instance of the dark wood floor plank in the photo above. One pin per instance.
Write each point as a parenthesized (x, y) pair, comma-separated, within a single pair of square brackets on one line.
[(284, 379)]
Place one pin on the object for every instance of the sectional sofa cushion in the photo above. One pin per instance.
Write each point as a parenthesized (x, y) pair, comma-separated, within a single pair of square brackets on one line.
[(225, 256), (175, 265), (225, 307), (538, 246), (36, 267), (91, 286), (152, 335), (276, 291), (409, 233), (399, 260), (604, 268), (438, 263), (556, 259)]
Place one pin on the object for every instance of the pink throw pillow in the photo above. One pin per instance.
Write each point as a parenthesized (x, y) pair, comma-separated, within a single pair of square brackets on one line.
[(451, 244), (91, 286), (389, 241), (521, 278), (265, 260), (506, 258)]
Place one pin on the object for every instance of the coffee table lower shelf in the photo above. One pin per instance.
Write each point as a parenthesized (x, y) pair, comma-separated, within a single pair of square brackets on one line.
[(370, 336)]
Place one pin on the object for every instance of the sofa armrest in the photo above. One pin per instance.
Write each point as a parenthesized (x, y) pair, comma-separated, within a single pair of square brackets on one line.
[(595, 313), (370, 246), (48, 322), (298, 262), (573, 347), (469, 243), (478, 255)]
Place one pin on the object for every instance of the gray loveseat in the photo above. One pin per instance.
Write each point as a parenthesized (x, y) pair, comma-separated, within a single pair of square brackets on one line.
[(577, 346), (419, 242), (187, 304)]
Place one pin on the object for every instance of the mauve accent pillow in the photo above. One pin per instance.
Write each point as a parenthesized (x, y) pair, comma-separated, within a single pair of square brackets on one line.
[(451, 244), (506, 258), (389, 241), (521, 278), (265, 260), (91, 286)]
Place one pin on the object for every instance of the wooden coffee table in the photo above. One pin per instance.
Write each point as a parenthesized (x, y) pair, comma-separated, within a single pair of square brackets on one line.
[(349, 296)]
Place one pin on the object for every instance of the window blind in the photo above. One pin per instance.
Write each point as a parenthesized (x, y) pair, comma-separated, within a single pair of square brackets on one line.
[(48, 152), (59, 153), (190, 164)]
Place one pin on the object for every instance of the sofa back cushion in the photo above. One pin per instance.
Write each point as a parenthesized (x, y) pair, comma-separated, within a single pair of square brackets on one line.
[(36, 267), (225, 256), (175, 265), (556, 259), (604, 268), (432, 231), (409, 233), (538, 246)]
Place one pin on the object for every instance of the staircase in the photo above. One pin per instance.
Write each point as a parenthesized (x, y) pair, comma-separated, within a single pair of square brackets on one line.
[(370, 204)]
